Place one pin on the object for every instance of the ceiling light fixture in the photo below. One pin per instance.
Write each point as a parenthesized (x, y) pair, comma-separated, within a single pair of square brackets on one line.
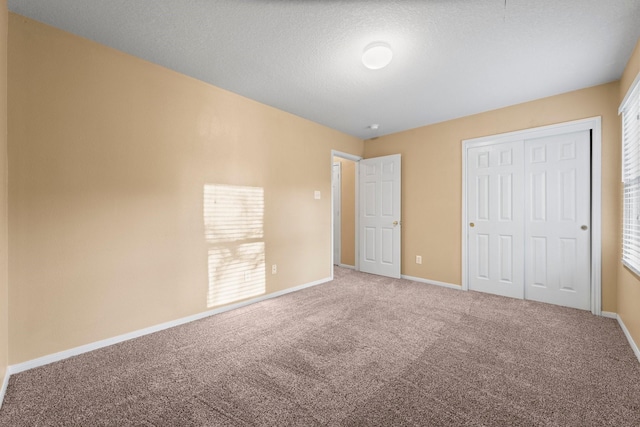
[(377, 55)]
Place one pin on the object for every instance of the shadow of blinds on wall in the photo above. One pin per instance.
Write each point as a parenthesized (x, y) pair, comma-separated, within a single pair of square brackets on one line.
[(234, 229)]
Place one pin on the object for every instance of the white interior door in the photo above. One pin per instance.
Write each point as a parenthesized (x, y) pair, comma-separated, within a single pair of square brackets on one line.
[(495, 213), (558, 219), (379, 218), (337, 220)]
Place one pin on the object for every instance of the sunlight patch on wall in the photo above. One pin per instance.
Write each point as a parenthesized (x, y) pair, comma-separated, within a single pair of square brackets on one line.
[(234, 229)]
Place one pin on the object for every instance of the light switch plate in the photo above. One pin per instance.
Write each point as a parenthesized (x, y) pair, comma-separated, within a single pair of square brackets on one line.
[(316, 195)]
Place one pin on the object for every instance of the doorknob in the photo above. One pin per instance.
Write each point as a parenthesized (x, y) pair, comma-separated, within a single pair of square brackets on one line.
[(471, 224), (395, 223), (584, 227)]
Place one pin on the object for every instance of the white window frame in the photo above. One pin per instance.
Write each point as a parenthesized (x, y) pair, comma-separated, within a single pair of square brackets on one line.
[(630, 112)]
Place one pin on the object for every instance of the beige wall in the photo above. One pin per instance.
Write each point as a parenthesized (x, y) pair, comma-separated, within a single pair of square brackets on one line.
[(348, 214), (4, 291), (628, 282), (432, 172), (109, 157)]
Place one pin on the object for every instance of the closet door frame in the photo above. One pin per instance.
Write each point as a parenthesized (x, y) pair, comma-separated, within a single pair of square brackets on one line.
[(595, 125)]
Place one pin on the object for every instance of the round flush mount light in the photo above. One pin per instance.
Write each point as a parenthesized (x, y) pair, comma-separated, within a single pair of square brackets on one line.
[(377, 55)]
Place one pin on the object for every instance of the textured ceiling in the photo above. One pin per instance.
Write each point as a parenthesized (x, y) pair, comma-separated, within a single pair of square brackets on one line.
[(451, 58)]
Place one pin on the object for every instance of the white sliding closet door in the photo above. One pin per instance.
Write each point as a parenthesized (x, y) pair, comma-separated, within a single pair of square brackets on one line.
[(529, 218), (558, 211), (495, 212)]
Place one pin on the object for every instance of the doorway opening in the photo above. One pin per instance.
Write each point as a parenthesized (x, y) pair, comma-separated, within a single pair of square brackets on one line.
[(344, 209), (373, 226)]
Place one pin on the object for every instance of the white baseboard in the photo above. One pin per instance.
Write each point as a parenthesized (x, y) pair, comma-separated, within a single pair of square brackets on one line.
[(632, 343), (432, 282), (609, 314), (5, 384), (55, 357)]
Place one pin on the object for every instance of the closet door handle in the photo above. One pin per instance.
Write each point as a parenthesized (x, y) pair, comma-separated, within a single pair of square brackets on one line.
[(584, 227)]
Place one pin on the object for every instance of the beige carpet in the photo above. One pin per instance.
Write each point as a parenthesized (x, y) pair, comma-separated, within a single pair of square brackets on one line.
[(361, 350)]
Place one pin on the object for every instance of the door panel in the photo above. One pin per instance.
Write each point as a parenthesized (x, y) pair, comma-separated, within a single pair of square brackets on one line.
[(369, 244), (538, 197), (370, 199), (557, 174), (387, 245), (380, 215), (496, 209), (482, 197), (483, 256), (506, 197), (506, 258), (538, 266)]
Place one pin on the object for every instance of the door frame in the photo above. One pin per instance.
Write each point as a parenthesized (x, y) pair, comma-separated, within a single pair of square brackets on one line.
[(336, 194), (594, 124), (356, 160)]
